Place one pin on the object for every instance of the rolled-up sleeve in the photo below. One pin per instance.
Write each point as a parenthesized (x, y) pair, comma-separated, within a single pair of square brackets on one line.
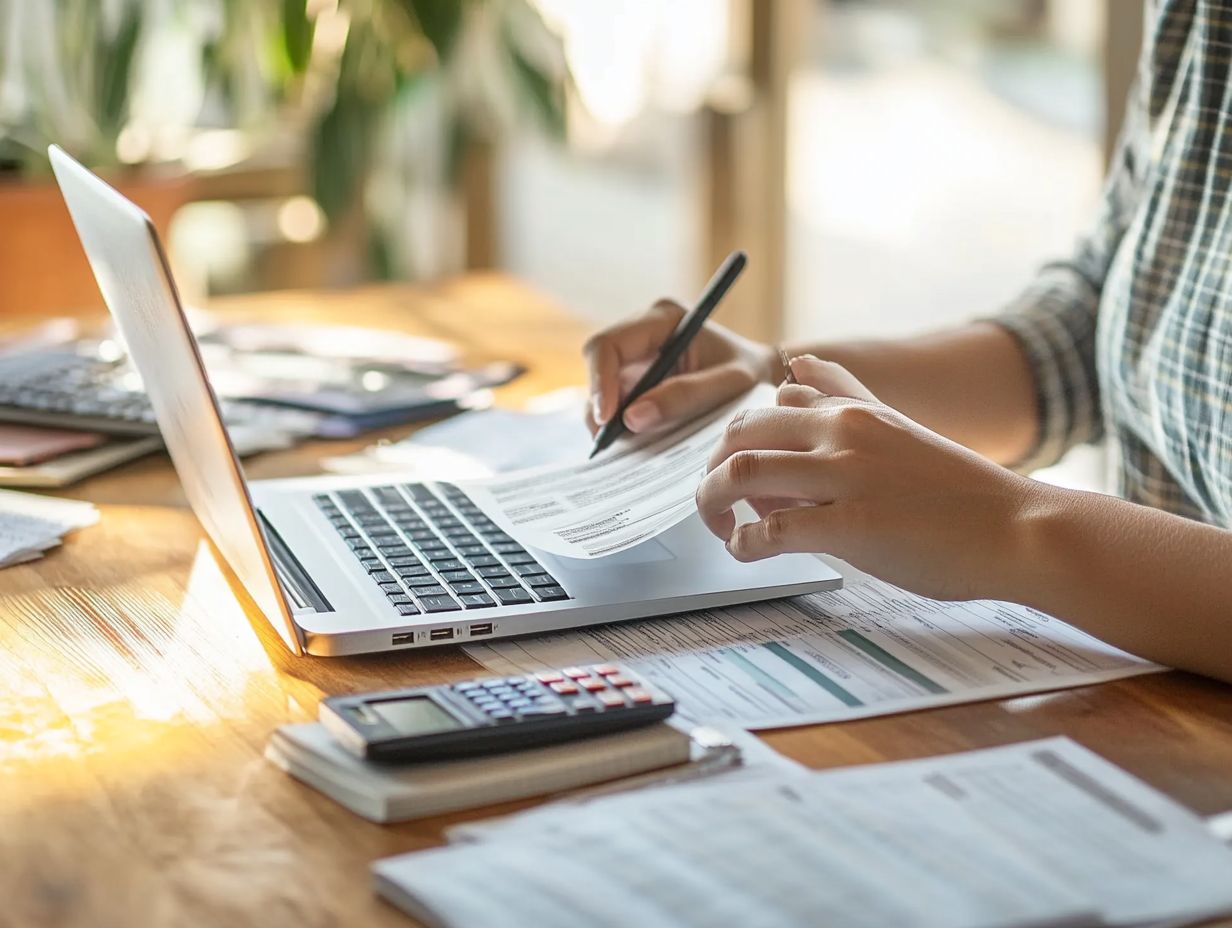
[(1054, 319)]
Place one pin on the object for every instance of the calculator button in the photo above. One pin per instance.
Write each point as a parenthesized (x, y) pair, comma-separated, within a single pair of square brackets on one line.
[(611, 700), (500, 715), (605, 670), (592, 685), (548, 676), (575, 673), (565, 688), (466, 687), (583, 705), (520, 703), (619, 680), (514, 681), (544, 710), (638, 695), (501, 690)]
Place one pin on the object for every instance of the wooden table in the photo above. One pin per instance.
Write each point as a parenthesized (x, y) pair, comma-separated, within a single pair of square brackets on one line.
[(137, 690)]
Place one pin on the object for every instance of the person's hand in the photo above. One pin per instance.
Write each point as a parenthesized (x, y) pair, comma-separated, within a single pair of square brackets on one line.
[(832, 470), (717, 367)]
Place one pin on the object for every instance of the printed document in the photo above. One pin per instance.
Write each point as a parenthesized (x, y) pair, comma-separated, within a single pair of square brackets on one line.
[(868, 649), (1042, 833), (626, 495)]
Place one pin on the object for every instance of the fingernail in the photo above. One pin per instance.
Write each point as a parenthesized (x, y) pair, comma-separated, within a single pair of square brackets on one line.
[(641, 416), (596, 410)]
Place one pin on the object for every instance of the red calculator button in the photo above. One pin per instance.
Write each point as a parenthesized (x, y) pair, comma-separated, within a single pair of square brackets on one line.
[(619, 680), (606, 670), (611, 700), (575, 673), (548, 677), (565, 688), (637, 694), (592, 685)]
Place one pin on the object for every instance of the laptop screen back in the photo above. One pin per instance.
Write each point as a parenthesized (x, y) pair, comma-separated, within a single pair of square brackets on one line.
[(131, 269)]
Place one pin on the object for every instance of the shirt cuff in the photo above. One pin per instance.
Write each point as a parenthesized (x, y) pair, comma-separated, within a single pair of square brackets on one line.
[(1053, 322)]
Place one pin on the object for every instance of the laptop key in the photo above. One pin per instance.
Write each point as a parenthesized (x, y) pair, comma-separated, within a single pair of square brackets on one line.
[(513, 596), (536, 580), (407, 609), (438, 604), (454, 576), (483, 560), (528, 570), (467, 586), (444, 564), (391, 586), (494, 572), (381, 576), (504, 582), (476, 600), (408, 560), (398, 598), (471, 550), (434, 590), (413, 574), (515, 557), (551, 593), (508, 547)]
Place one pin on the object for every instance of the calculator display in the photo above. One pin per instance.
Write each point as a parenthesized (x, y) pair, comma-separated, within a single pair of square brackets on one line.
[(416, 715)]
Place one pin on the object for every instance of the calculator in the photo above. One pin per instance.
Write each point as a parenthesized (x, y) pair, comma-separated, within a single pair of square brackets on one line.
[(488, 716)]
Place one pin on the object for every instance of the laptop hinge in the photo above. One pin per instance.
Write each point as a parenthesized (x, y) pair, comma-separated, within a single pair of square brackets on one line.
[(303, 594)]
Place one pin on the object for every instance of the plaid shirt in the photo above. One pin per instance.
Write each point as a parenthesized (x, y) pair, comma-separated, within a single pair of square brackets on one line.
[(1131, 337)]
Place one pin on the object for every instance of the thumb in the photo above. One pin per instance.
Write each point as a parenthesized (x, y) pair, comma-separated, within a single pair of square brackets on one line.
[(829, 378)]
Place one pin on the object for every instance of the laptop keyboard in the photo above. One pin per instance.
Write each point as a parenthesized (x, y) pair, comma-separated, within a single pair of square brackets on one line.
[(432, 552)]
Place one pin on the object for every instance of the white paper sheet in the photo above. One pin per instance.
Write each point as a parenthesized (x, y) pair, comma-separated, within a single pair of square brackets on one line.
[(623, 497), (482, 442), (1029, 834), (31, 524), (868, 649)]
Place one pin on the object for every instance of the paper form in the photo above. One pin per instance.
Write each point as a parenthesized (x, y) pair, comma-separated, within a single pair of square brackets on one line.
[(869, 649), (1038, 833), (31, 524), (618, 500)]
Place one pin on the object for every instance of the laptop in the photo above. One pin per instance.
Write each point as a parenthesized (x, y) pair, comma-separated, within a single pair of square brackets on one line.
[(346, 565)]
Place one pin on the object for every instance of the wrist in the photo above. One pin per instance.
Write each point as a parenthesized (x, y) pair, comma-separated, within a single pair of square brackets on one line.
[(1042, 549)]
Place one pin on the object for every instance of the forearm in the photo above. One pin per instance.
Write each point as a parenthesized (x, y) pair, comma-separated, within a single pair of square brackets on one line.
[(1144, 580), (971, 384)]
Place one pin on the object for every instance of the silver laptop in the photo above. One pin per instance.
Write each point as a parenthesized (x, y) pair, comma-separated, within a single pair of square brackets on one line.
[(355, 564)]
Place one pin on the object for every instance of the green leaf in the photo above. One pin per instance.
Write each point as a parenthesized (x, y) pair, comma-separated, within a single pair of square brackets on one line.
[(440, 21), (546, 95), (297, 33), (116, 67)]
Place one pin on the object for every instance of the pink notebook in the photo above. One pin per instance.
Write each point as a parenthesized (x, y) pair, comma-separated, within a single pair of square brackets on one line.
[(28, 444)]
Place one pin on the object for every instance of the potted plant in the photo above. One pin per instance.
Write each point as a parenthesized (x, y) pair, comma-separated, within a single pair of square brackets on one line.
[(392, 97)]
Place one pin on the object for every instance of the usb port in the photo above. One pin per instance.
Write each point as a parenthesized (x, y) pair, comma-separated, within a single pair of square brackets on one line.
[(440, 634), (481, 628), (404, 637)]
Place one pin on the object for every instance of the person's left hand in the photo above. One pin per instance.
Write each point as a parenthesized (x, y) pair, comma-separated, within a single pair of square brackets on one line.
[(831, 469)]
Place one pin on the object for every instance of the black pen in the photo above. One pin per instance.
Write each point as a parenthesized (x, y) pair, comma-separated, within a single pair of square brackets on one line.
[(688, 327)]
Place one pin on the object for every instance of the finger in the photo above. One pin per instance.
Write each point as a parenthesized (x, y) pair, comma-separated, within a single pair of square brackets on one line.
[(686, 396), (760, 474), (803, 529), (776, 428), (609, 351), (763, 506), (829, 378), (800, 396)]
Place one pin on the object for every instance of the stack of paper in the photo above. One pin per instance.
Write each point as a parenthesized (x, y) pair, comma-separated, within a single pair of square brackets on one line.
[(30, 524), (1042, 833)]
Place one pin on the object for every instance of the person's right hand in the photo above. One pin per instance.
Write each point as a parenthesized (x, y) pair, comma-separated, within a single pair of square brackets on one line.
[(718, 366)]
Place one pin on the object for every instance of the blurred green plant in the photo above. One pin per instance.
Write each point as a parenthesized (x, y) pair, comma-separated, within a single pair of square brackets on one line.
[(396, 89)]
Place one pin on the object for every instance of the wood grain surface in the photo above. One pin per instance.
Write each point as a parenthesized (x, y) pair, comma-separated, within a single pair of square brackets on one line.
[(138, 687)]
